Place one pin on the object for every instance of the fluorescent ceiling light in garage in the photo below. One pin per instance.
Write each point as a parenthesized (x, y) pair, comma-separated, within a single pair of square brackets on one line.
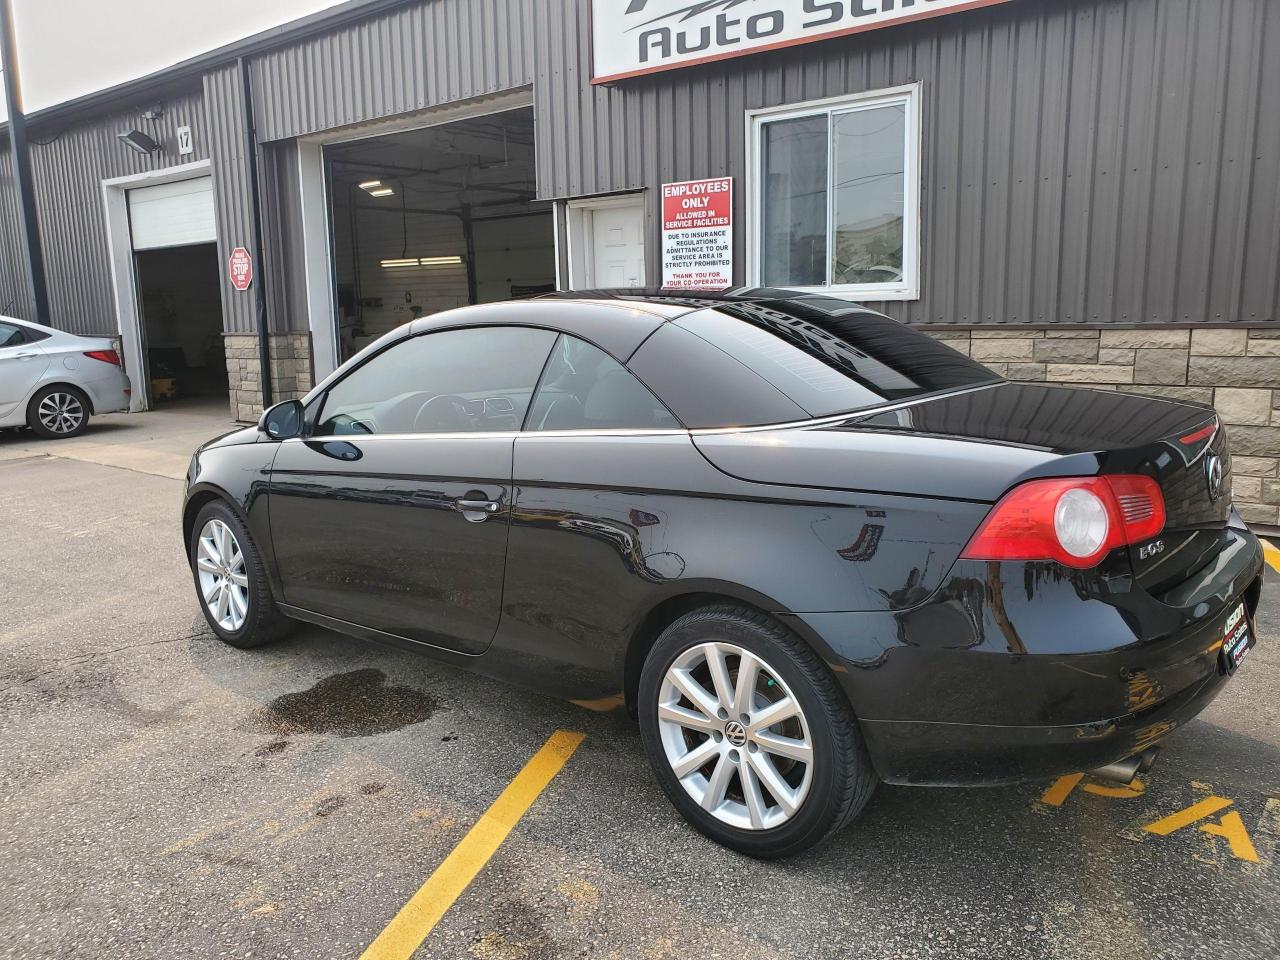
[(381, 192), (422, 262)]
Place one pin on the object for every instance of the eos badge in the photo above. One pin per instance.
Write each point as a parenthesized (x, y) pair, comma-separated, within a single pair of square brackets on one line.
[(1150, 550), (1213, 474)]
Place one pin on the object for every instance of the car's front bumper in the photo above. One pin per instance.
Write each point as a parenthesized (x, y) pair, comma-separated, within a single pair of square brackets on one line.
[(1008, 679)]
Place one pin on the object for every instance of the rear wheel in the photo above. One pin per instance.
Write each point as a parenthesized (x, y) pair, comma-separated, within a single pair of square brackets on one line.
[(231, 583), (57, 412), (749, 735)]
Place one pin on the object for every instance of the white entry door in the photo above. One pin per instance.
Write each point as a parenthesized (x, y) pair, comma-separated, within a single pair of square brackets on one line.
[(606, 241)]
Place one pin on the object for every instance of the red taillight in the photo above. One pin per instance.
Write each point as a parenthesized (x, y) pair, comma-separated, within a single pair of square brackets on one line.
[(1076, 521), (1204, 433), (106, 356)]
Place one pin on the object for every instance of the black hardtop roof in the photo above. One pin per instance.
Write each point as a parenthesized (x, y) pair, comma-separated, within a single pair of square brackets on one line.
[(701, 299)]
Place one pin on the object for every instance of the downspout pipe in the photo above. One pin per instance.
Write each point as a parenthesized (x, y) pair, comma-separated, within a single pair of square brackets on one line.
[(255, 203), (24, 187)]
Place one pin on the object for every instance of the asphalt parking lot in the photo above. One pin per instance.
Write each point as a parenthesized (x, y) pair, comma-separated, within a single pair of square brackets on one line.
[(162, 794)]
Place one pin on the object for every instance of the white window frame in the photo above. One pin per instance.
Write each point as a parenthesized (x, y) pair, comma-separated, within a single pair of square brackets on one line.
[(908, 95)]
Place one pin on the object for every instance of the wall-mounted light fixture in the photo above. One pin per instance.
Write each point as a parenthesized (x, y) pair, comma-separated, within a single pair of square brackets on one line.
[(138, 142), (428, 262)]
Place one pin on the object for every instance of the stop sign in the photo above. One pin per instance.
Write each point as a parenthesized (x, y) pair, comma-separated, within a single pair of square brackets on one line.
[(240, 268)]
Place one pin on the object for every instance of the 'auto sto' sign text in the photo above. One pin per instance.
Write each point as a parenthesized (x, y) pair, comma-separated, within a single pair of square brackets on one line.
[(632, 37)]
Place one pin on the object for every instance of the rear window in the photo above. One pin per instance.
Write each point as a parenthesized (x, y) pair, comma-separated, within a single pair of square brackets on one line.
[(830, 356), (753, 363)]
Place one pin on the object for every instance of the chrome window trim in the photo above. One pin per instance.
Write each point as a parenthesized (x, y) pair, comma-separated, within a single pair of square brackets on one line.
[(477, 435), (842, 417), (621, 432)]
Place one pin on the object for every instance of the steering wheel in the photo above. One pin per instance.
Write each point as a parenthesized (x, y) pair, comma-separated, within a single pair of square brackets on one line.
[(446, 411)]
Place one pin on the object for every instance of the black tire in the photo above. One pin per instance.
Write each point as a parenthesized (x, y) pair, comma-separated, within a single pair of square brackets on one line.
[(263, 621), (842, 776), (33, 412)]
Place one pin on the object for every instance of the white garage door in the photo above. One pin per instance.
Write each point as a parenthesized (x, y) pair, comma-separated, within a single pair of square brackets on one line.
[(172, 214)]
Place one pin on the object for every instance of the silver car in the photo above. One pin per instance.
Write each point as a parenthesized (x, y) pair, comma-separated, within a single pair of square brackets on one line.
[(54, 381)]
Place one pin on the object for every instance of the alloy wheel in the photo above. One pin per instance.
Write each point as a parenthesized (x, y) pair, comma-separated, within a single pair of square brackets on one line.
[(735, 736), (61, 412), (224, 580)]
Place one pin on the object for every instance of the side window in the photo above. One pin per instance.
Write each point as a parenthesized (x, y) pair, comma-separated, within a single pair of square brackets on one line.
[(584, 388), (11, 335), (475, 380)]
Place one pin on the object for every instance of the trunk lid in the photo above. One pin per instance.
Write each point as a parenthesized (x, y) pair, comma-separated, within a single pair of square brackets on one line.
[(1177, 442), (1191, 467), (975, 444)]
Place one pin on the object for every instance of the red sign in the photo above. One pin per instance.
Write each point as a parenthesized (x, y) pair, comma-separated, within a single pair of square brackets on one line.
[(697, 233), (240, 268)]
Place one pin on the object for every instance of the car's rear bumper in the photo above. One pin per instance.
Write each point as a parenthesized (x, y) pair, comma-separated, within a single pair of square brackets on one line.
[(1014, 677), (108, 393), (939, 754)]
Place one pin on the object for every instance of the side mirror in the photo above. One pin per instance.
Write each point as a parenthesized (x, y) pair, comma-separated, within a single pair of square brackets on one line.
[(282, 421)]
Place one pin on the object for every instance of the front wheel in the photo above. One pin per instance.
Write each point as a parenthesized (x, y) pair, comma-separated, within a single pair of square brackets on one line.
[(231, 583), (749, 735)]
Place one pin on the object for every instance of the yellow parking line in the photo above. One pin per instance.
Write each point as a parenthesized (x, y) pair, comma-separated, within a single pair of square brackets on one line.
[(405, 933), (1272, 554)]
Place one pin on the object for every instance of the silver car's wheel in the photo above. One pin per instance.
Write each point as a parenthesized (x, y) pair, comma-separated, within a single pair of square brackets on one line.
[(60, 413), (224, 581), (735, 736)]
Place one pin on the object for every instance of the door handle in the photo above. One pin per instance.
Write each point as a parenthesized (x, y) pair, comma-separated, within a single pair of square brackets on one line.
[(24, 356), (475, 510)]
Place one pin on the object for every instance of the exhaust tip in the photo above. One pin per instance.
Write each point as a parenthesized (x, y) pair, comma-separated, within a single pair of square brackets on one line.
[(1123, 771), (1147, 759)]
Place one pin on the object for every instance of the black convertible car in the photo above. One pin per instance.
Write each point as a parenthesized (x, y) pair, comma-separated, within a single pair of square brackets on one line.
[(811, 547)]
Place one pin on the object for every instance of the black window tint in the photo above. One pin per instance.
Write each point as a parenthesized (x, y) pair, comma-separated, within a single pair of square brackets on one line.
[(830, 356), (11, 335), (584, 388), (455, 381), (706, 387)]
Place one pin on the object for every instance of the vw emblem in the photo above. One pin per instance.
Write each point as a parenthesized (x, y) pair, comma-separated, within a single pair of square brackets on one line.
[(735, 733), (1213, 473)]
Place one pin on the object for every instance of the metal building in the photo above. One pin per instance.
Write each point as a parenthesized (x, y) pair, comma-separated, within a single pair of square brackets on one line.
[(1083, 191)]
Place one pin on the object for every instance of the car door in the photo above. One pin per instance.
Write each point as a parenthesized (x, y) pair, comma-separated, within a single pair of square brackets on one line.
[(591, 532), (392, 511), (22, 364)]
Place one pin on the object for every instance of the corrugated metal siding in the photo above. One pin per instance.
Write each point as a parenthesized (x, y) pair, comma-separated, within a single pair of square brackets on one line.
[(14, 296), (405, 60), (1096, 161), (69, 164), (282, 236), (224, 104)]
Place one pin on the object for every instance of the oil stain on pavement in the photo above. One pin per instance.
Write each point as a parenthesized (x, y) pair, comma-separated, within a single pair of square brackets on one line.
[(359, 703)]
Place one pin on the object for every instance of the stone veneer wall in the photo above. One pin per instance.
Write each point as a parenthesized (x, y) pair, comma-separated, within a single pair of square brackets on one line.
[(1238, 371), (290, 370)]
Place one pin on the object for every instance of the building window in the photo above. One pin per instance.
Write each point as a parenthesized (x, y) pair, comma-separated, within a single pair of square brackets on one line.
[(836, 195)]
